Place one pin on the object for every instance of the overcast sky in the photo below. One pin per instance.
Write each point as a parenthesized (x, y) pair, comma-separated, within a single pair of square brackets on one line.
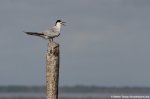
[(105, 42)]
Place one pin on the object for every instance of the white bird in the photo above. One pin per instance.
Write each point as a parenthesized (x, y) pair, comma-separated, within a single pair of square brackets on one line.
[(51, 32)]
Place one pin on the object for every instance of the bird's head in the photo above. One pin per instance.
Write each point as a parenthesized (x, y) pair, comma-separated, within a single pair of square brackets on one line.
[(60, 23)]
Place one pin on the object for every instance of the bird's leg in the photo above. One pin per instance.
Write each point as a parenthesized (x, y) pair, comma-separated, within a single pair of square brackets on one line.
[(51, 39)]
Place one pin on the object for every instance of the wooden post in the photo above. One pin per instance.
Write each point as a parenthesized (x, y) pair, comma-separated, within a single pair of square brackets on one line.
[(52, 70)]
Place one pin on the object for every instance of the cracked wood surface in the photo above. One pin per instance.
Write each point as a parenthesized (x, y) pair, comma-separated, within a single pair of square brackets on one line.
[(52, 70)]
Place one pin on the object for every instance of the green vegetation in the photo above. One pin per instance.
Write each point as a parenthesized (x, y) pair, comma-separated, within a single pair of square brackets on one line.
[(77, 89), (22, 89)]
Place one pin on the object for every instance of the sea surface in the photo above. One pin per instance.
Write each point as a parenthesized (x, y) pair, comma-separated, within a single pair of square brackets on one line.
[(21, 95)]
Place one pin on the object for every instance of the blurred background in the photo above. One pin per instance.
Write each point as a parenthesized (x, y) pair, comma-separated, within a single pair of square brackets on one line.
[(104, 46)]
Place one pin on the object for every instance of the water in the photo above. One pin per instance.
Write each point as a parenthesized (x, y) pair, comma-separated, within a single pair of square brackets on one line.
[(75, 96)]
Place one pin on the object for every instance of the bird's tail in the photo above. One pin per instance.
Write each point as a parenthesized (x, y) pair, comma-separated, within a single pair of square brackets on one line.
[(35, 33)]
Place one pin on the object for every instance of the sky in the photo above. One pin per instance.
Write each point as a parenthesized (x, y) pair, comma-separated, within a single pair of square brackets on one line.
[(104, 42)]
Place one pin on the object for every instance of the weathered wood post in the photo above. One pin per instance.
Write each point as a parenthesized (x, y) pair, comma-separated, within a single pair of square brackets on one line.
[(52, 70)]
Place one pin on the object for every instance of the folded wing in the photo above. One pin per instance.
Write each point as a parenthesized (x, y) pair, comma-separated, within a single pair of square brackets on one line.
[(35, 33)]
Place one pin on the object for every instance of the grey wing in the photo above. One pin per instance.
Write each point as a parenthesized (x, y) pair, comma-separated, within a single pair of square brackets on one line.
[(52, 32), (35, 33), (40, 34)]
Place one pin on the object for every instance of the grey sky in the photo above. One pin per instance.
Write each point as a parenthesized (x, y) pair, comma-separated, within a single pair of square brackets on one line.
[(105, 42)]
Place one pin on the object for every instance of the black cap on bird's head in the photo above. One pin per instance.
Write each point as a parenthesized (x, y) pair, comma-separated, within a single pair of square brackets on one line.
[(58, 21), (62, 23)]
